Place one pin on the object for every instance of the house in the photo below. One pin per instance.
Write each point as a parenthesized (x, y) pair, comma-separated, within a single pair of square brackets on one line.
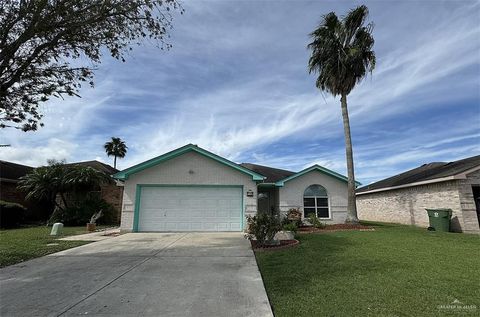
[(111, 193), (192, 189), (9, 176), (11, 172), (403, 198)]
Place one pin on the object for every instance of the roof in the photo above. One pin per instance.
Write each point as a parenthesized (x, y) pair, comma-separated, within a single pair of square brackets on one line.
[(427, 173), (124, 174), (317, 168), (271, 174), (99, 166), (13, 171)]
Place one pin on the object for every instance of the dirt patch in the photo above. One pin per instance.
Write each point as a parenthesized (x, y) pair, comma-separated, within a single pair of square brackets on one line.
[(284, 244), (335, 227)]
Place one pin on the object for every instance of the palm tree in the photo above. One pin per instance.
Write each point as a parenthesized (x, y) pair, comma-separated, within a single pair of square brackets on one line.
[(342, 55), (57, 180), (45, 183), (116, 148)]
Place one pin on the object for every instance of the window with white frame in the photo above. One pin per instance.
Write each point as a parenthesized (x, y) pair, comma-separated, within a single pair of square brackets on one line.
[(315, 201)]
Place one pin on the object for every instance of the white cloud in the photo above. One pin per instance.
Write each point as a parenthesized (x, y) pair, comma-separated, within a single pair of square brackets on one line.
[(38, 155), (236, 83)]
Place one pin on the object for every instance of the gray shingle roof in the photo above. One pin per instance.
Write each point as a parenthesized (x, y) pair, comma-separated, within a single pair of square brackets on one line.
[(272, 174), (425, 172)]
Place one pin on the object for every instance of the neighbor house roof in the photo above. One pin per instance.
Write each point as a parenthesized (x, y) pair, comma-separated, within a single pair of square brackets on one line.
[(271, 174), (13, 171), (122, 175), (99, 166), (427, 173)]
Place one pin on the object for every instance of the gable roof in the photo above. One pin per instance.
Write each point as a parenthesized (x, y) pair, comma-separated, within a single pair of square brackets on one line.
[(318, 168), (13, 171), (427, 173), (124, 174), (99, 166), (271, 174)]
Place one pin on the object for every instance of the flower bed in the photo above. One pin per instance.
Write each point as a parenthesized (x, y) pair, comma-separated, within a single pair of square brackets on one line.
[(336, 227), (284, 244)]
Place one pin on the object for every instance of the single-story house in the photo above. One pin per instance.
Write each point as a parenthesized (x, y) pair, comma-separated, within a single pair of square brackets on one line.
[(9, 175), (403, 198), (192, 189), (111, 193)]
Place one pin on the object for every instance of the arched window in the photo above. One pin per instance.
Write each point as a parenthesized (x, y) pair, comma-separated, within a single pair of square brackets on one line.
[(315, 201)]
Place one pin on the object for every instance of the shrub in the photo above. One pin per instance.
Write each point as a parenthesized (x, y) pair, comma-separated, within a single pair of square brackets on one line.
[(294, 216), (79, 215), (314, 221), (263, 227), (290, 227), (11, 214)]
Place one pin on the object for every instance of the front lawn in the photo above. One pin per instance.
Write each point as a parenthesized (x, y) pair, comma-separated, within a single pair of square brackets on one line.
[(393, 271), (18, 245)]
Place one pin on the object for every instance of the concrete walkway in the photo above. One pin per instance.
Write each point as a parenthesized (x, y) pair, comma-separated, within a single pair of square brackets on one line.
[(140, 274), (94, 236)]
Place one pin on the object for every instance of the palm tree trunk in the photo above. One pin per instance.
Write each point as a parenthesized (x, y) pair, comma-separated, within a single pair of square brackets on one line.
[(352, 205), (114, 161)]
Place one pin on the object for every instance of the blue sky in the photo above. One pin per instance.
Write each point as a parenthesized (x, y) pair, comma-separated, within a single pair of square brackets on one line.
[(235, 83)]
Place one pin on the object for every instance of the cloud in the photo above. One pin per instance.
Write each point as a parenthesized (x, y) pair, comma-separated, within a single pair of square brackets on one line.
[(236, 83), (38, 155)]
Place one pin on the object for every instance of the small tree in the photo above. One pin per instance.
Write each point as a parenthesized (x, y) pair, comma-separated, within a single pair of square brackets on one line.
[(55, 181), (342, 55), (116, 148), (44, 45)]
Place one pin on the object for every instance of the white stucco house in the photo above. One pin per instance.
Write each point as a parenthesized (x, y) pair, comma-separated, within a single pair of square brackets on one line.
[(192, 189)]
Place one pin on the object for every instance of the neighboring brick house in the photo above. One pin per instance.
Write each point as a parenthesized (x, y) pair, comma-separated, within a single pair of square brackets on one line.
[(111, 193), (9, 175), (11, 172), (403, 198)]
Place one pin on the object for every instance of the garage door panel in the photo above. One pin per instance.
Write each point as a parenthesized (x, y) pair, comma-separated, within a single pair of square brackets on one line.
[(190, 209)]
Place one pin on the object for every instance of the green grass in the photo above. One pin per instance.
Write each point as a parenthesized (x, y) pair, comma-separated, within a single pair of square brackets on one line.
[(18, 245), (393, 271)]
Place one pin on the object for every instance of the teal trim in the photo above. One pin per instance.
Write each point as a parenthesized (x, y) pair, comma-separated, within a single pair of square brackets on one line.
[(319, 168), (138, 195), (243, 211), (123, 175)]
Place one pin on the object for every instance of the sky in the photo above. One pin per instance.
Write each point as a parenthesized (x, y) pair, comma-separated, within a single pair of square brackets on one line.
[(236, 83)]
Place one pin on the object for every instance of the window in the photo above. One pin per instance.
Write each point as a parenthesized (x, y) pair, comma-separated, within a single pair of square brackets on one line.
[(315, 201)]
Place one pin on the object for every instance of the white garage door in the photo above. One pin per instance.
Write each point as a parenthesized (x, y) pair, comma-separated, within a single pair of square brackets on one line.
[(190, 209)]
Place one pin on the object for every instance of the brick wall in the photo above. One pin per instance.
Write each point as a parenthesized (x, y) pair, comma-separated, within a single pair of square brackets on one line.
[(10, 193), (467, 203), (113, 195), (407, 205)]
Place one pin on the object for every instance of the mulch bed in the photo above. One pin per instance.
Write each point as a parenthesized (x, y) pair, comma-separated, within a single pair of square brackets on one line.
[(284, 244), (335, 227)]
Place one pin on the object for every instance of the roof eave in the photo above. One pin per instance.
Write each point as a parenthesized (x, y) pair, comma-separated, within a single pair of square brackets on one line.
[(462, 175)]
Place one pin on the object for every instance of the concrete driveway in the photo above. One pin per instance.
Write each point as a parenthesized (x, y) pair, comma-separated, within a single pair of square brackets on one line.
[(140, 274)]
